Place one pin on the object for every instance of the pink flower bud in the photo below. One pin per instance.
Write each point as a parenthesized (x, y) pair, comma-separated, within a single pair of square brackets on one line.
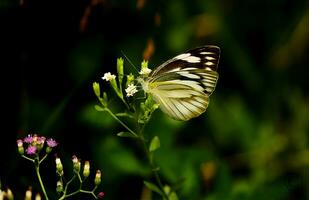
[(76, 164), (97, 179), (20, 146), (101, 195)]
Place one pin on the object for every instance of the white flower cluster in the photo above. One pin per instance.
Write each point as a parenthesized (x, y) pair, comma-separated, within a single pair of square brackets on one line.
[(108, 76), (131, 90), (145, 71)]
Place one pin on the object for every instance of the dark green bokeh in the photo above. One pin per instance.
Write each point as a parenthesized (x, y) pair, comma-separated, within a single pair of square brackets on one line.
[(252, 143)]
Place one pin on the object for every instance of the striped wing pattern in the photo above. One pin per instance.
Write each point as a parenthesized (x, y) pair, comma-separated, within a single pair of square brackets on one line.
[(183, 84)]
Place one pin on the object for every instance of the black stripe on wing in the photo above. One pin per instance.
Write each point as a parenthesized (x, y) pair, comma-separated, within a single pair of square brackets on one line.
[(206, 57)]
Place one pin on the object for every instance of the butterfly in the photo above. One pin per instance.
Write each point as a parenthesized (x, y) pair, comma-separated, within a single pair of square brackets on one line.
[(182, 85)]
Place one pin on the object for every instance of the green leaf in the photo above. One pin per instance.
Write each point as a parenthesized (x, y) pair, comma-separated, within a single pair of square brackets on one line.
[(171, 194), (126, 134), (99, 108), (154, 144), (153, 187)]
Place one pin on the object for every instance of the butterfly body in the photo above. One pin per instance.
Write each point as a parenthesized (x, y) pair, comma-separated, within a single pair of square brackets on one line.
[(182, 85)]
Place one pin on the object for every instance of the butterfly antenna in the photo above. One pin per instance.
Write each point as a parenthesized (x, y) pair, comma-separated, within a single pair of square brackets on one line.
[(134, 67)]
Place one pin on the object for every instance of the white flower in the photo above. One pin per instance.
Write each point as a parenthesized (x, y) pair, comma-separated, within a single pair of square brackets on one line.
[(108, 76), (145, 71), (131, 90)]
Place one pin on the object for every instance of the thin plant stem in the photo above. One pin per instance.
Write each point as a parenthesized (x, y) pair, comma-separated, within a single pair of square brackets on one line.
[(123, 124), (151, 163), (30, 159), (37, 169), (43, 158), (140, 136), (66, 187), (80, 190)]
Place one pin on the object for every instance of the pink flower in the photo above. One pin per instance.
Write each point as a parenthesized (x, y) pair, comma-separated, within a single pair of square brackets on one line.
[(31, 150), (41, 140), (51, 142), (28, 139)]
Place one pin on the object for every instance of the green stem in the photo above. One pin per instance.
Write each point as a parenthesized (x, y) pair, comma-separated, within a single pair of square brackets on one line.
[(152, 165), (66, 187), (125, 103), (30, 159), (80, 190), (140, 136), (43, 158), (37, 169), (123, 124)]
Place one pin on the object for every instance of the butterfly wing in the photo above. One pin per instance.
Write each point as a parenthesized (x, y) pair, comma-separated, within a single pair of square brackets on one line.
[(183, 84)]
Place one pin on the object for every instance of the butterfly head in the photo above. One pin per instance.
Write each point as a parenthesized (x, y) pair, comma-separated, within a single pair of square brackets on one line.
[(144, 73)]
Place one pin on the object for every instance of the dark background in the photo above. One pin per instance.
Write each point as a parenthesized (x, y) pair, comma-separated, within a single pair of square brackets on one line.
[(252, 143)]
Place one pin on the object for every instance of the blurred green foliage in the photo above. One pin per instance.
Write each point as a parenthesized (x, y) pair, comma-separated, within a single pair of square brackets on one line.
[(252, 142)]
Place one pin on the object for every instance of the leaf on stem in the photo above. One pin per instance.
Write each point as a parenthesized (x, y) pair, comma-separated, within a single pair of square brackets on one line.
[(154, 144), (171, 194), (126, 134), (153, 187), (99, 108)]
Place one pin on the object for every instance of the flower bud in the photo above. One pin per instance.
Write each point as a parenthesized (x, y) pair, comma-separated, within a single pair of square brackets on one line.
[(48, 149), (97, 179), (20, 146), (101, 195), (38, 197), (59, 187), (86, 171), (40, 142), (76, 164), (130, 79), (96, 89), (28, 194), (9, 194), (120, 67), (34, 139), (59, 166)]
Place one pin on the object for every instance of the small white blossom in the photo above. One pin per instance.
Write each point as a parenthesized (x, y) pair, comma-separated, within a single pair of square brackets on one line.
[(108, 76), (145, 71), (131, 90)]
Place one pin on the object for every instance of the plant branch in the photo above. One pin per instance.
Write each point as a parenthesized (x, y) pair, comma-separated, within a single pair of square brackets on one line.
[(151, 163), (123, 124), (37, 170)]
